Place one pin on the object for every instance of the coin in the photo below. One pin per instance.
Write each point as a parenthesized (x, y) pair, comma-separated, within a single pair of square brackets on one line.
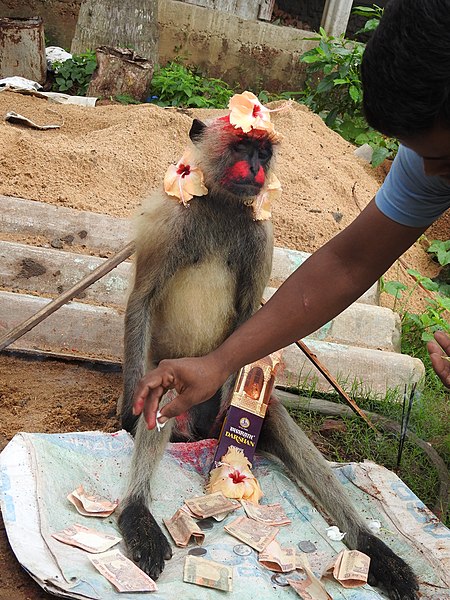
[(205, 524), (307, 546), (197, 552), (242, 550), (280, 580)]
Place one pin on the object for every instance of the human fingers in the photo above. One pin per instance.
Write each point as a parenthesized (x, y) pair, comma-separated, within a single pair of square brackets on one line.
[(443, 340), (151, 387), (179, 405), (439, 361)]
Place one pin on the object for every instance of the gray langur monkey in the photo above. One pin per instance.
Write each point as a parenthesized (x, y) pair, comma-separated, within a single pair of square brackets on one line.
[(200, 272)]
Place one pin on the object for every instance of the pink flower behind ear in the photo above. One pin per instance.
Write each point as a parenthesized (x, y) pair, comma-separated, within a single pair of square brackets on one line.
[(184, 180), (247, 112), (263, 201)]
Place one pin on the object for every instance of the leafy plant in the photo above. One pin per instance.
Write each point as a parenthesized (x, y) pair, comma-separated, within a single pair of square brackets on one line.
[(73, 75), (441, 251), (177, 85), (421, 325), (333, 87)]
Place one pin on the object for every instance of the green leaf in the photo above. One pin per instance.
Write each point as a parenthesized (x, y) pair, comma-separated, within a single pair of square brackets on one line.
[(394, 288), (355, 94), (379, 155)]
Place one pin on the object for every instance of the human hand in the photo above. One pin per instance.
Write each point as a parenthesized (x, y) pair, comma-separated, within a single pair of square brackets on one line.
[(439, 351), (195, 379)]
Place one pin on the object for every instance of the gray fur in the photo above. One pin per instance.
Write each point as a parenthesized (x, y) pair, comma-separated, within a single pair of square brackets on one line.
[(209, 262)]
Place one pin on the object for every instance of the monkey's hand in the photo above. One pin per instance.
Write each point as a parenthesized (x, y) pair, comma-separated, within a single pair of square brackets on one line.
[(195, 380), (440, 356)]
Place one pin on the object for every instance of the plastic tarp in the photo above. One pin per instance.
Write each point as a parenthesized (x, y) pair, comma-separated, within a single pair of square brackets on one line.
[(39, 470)]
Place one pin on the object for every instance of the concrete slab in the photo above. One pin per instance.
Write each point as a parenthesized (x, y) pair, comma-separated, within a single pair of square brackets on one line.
[(49, 272), (81, 329), (105, 235), (361, 325), (358, 370)]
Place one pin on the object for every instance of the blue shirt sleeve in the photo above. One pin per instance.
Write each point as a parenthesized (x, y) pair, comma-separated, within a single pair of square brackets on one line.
[(410, 197)]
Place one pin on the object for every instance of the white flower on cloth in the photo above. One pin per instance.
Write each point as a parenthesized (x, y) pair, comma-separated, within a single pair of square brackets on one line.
[(247, 112), (185, 180), (234, 479), (334, 534), (263, 201)]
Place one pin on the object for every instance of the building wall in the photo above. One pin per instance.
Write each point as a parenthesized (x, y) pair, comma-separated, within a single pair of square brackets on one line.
[(248, 53)]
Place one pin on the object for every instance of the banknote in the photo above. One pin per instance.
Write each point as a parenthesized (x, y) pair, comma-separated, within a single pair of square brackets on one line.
[(122, 573), (254, 534), (86, 538), (208, 573), (351, 568), (270, 514), (182, 527), (276, 558), (210, 504), (91, 505), (308, 588)]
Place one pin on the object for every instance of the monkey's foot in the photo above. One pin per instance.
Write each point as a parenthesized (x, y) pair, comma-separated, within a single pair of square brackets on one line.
[(388, 570), (147, 545)]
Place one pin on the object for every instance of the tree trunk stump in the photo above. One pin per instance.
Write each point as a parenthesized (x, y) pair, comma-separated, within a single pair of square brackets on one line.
[(120, 72)]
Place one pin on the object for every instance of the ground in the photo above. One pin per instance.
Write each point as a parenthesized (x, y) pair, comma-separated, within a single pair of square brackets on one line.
[(106, 159)]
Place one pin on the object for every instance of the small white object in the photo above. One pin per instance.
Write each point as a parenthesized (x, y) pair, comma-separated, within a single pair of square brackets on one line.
[(334, 534), (55, 54), (374, 526), (19, 83), (365, 152), (159, 425)]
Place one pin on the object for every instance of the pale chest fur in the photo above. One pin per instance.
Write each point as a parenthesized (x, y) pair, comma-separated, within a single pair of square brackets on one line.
[(197, 309)]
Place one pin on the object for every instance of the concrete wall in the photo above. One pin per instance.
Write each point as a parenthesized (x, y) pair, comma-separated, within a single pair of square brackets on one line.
[(247, 53)]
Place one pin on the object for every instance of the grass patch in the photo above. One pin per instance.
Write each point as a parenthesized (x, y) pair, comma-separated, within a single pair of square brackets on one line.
[(429, 420)]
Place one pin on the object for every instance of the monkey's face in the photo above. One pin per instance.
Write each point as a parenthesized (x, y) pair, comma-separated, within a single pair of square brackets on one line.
[(245, 165), (233, 162)]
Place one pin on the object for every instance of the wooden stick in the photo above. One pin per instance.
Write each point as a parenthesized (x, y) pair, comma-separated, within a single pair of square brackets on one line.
[(332, 381), (55, 304)]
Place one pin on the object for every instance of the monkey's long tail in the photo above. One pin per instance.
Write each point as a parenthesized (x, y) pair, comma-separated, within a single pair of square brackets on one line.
[(283, 438)]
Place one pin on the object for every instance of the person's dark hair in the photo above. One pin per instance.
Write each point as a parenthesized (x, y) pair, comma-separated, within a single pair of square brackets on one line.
[(406, 68)]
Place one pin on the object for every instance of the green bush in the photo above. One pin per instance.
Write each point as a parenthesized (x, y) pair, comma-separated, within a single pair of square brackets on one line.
[(74, 74), (333, 87), (177, 85)]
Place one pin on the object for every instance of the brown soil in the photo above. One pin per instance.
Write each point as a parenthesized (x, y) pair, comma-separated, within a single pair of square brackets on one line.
[(106, 159)]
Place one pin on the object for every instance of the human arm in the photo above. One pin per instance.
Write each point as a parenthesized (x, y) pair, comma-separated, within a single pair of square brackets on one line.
[(327, 283), (439, 351)]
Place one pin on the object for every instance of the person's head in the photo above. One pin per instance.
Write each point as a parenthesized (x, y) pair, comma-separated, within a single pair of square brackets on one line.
[(406, 78)]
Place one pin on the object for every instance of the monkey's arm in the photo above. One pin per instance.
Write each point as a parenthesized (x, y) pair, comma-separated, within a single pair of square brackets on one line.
[(327, 283), (440, 356)]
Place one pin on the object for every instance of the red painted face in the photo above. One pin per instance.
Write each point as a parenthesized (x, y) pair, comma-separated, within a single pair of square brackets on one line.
[(240, 172)]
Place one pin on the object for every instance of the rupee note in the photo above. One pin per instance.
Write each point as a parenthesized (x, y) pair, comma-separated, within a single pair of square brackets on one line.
[(270, 514), (208, 573), (182, 527), (276, 558), (254, 534), (310, 587), (91, 505), (122, 573), (351, 568), (210, 505), (86, 538)]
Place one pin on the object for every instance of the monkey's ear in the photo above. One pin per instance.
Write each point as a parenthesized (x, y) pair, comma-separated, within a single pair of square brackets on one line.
[(196, 131)]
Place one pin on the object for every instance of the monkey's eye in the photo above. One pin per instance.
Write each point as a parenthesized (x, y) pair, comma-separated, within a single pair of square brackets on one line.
[(240, 148), (264, 153)]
